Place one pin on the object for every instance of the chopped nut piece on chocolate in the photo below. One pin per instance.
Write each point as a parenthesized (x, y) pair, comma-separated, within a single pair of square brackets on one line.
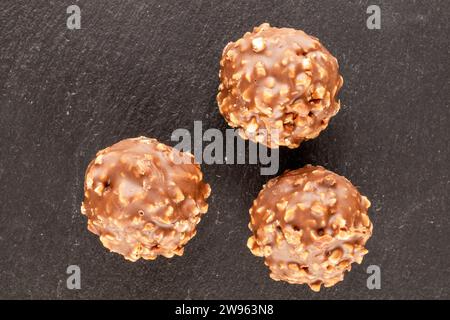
[(310, 225), (289, 88), (144, 199)]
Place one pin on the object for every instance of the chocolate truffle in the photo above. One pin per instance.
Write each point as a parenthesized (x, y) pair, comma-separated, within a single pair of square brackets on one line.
[(144, 198), (279, 86), (310, 225)]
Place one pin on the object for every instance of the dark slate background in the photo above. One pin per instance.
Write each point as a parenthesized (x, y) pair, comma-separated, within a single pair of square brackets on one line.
[(148, 67)]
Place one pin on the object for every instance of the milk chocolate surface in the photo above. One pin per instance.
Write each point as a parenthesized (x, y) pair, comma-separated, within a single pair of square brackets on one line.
[(279, 86), (310, 225), (144, 199)]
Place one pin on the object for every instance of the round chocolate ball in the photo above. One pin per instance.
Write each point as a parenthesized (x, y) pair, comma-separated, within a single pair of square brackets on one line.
[(144, 199), (279, 86), (310, 225)]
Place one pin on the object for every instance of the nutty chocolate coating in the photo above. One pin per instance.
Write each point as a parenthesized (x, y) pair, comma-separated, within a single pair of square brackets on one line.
[(278, 86), (144, 198), (310, 225)]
